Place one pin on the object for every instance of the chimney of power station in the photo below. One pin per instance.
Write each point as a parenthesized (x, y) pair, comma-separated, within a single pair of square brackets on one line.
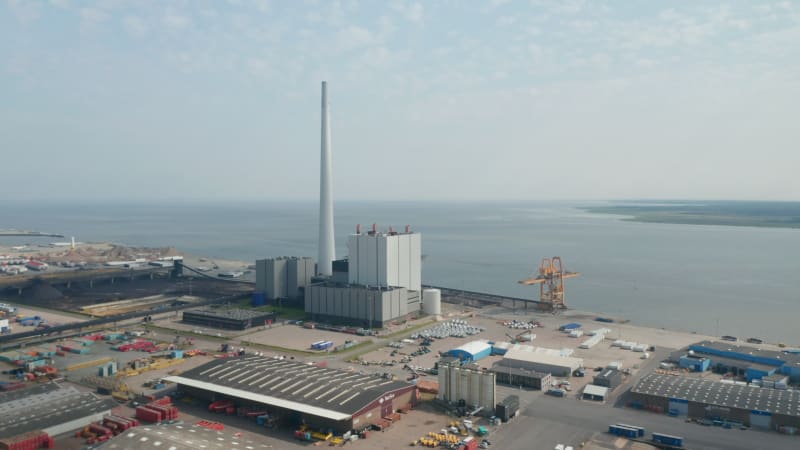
[(327, 251)]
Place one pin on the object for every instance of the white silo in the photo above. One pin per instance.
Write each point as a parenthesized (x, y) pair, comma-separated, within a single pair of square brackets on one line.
[(432, 302)]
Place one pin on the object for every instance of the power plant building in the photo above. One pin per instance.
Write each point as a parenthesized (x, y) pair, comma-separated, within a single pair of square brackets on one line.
[(385, 259), (284, 277), (295, 392), (362, 305)]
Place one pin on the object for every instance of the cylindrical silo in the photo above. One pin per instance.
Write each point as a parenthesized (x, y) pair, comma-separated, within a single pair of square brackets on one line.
[(432, 302)]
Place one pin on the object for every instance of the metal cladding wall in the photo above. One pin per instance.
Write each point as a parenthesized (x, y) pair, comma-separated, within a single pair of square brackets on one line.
[(299, 273), (474, 387), (76, 423), (471, 352), (707, 411), (608, 378), (390, 401), (275, 286), (760, 419), (678, 406), (356, 303), (382, 259), (339, 426)]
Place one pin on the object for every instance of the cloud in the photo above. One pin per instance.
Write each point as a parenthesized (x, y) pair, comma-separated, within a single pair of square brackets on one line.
[(93, 15), (413, 12), (135, 26), (353, 37), (176, 21), (25, 12), (63, 4)]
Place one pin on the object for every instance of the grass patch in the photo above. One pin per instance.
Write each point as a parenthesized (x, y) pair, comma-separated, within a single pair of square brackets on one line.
[(284, 312)]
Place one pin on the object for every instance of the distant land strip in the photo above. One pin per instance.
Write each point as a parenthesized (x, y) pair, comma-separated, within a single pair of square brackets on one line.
[(728, 213), (7, 233)]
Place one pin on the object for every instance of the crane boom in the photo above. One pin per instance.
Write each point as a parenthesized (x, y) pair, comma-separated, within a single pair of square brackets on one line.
[(550, 279)]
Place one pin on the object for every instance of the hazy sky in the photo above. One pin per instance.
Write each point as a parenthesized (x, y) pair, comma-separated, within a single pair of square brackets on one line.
[(430, 99)]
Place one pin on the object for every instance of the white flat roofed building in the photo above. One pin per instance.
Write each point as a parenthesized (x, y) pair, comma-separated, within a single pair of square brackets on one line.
[(541, 362)]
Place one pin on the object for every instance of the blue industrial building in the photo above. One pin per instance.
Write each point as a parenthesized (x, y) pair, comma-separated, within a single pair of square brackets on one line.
[(694, 363), (752, 362), (471, 351)]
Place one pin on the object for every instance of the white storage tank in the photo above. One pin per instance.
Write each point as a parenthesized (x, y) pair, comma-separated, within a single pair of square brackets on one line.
[(432, 302)]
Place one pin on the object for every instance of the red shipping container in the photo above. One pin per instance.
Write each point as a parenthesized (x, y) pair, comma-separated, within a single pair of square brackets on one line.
[(99, 429), (164, 401), (148, 415)]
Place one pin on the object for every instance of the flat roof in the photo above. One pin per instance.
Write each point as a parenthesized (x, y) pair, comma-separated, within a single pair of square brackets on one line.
[(330, 393), (179, 437), (517, 371), (543, 358), (787, 358), (593, 389), (776, 401), (42, 416), (236, 314)]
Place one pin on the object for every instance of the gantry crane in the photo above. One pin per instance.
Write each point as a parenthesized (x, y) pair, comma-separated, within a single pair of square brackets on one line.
[(551, 283)]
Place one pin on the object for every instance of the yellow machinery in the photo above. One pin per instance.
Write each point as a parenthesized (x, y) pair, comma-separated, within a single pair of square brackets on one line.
[(83, 365), (160, 363), (551, 283)]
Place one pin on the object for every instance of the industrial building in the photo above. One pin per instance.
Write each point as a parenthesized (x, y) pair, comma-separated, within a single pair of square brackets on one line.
[(475, 388), (179, 437), (49, 408), (371, 307), (521, 377), (706, 399), (609, 378), (297, 392), (284, 277), (471, 351), (562, 366), (228, 319), (385, 259), (595, 393), (752, 362)]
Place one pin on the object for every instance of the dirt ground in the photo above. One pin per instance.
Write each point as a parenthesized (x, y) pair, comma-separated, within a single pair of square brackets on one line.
[(52, 318)]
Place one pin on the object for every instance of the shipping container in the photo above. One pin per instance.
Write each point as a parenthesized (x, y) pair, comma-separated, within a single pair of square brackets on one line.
[(668, 439)]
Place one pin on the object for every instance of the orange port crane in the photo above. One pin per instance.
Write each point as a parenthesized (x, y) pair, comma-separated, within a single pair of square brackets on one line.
[(551, 283)]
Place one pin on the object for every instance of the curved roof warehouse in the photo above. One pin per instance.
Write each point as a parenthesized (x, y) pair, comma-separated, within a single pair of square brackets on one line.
[(299, 392)]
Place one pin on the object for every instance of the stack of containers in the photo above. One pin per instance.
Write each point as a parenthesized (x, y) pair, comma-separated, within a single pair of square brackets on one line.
[(119, 424), (158, 410), (28, 441)]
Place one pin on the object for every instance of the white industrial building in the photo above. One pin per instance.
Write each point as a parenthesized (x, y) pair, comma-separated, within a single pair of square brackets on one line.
[(385, 259), (541, 362), (284, 277), (476, 388)]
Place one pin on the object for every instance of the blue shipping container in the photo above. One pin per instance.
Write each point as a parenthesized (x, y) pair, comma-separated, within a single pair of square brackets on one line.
[(259, 298), (570, 326), (668, 439)]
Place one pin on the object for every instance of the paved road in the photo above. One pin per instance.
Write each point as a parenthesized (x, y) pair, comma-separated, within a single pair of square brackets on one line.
[(547, 421)]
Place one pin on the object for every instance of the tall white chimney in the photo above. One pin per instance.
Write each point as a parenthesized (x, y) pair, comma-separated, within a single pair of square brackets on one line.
[(327, 251)]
